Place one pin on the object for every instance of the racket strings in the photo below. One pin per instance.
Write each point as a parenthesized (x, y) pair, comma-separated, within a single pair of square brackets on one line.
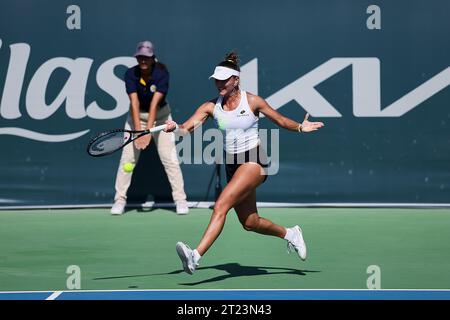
[(108, 143)]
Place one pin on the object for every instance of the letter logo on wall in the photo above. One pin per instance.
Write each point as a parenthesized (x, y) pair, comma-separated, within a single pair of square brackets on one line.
[(366, 85), (72, 93)]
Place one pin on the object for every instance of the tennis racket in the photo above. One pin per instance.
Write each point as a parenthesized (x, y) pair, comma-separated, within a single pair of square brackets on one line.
[(110, 141)]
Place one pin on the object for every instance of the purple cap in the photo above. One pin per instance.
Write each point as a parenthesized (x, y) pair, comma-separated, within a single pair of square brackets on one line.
[(144, 48)]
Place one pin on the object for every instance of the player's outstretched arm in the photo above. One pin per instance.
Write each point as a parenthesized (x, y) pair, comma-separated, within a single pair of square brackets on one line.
[(262, 106), (196, 120)]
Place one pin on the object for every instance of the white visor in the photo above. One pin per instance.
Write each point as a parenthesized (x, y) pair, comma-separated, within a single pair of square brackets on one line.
[(223, 73)]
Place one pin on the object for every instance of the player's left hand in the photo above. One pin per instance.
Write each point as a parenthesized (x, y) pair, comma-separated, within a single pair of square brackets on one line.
[(308, 126)]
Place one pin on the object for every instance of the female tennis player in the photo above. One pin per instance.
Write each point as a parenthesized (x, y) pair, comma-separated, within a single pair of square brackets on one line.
[(236, 113)]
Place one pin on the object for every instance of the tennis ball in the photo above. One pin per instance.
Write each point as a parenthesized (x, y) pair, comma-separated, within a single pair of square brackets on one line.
[(128, 167)]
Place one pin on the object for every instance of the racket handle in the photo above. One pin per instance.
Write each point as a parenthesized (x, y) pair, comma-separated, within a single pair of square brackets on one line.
[(158, 128)]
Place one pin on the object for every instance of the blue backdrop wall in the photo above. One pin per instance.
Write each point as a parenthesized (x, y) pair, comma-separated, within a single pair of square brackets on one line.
[(377, 73)]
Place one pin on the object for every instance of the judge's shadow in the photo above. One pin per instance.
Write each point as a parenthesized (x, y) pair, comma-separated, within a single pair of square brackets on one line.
[(149, 181)]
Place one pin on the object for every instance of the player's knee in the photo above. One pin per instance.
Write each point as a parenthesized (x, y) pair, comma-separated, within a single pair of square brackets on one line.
[(250, 224), (221, 207)]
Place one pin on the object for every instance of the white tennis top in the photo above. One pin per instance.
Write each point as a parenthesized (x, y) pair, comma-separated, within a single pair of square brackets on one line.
[(239, 126)]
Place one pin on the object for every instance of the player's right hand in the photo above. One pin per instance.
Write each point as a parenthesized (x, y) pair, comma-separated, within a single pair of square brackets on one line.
[(171, 126)]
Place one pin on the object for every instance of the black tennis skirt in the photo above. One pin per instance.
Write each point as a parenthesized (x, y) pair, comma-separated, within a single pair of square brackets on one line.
[(234, 160)]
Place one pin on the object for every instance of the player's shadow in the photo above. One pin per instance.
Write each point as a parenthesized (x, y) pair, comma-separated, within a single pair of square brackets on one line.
[(236, 270), (233, 270), (149, 181)]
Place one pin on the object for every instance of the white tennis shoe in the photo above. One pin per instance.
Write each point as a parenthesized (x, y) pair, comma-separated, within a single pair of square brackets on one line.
[(118, 208), (297, 243), (182, 207), (186, 255)]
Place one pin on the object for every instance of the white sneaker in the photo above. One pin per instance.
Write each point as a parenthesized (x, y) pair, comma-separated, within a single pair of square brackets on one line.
[(298, 244), (182, 207), (186, 255), (118, 208)]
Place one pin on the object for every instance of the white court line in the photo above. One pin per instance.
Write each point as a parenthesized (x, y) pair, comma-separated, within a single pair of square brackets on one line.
[(231, 289), (207, 204), (54, 295)]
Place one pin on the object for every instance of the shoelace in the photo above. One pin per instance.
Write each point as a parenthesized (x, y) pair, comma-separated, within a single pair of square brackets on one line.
[(192, 255), (290, 247)]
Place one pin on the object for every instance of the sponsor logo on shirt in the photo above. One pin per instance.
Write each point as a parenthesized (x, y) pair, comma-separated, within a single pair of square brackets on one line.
[(243, 114)]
